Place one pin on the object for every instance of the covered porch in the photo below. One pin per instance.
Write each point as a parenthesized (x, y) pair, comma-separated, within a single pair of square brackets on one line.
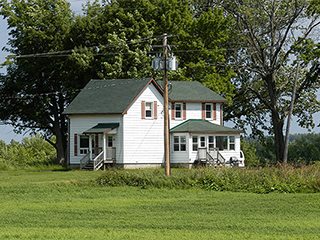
[(98, 157)]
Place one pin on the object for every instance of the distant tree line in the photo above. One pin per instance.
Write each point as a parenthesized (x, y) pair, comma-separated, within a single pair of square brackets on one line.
[(303, 149)]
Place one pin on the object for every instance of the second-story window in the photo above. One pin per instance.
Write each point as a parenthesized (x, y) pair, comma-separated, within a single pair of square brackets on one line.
[(178, 111), (208, 111), (148, 109)]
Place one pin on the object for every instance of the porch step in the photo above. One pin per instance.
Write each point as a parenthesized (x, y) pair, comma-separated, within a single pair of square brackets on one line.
[(88, 166)]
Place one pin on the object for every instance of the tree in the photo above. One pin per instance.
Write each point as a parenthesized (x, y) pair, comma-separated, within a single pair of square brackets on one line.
[(274, 36), (33, 93)]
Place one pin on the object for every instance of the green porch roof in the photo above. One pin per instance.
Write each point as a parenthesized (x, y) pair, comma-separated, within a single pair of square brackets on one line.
[(101, 128), (202, 126), (191, 91), (107, 96)]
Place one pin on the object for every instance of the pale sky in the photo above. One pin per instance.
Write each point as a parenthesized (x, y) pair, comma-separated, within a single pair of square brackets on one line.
[(6, 132)]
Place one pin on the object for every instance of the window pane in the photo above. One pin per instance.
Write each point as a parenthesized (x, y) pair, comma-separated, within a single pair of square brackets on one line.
[(219, 142), (109, 141), (148, 109), (232, 147), (84, 141), (231, 139), (178, 110), (208, 111), (202, 141), (194, 143), (176, 139), (183, 139), (148, 106), (183, 147), (225, 143)]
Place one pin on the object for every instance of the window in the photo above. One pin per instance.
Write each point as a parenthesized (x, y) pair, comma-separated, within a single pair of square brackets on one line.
[(178, 110), (208, 111), (194, 143), (148, 109), (211, 142), (179, 143), (109, 142), (84, 144), (202, 142), (231, 143), (225, 142)]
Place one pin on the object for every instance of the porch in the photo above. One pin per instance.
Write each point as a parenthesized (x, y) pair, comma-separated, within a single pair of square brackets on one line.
[(98, 157)]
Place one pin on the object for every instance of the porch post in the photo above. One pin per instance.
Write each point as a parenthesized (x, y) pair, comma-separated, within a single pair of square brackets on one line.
[(104, 147), (90, 146)]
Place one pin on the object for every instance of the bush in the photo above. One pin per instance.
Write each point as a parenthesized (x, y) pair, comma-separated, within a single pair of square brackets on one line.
[(266, 180), (31, 152)]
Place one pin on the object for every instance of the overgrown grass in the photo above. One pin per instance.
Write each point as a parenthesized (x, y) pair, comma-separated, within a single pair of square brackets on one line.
[(291, 180), (69, 205)]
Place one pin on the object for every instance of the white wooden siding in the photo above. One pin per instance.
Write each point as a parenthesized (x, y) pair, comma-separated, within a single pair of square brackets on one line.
[(194, 111), (179, 156), (143, 138)]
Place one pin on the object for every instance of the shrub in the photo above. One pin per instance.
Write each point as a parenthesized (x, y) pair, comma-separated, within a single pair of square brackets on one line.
[(266, 180)]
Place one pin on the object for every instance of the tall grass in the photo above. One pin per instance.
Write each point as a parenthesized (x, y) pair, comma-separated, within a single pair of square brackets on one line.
[(32, 152), (272, 179)]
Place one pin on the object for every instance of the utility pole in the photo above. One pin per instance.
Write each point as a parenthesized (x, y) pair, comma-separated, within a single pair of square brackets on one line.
[(158, 64), (166, 108)]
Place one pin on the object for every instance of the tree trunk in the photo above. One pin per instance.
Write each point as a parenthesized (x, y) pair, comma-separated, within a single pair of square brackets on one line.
[(278, 137)]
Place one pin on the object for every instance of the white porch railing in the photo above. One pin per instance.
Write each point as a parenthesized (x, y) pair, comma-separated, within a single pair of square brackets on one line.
[(98, 161), (212, 157), (84, 160)]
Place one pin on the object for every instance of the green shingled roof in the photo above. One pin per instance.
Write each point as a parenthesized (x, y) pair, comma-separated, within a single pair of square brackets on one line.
[(101, 128), (191, 91), (107, 96), (116, 95), (202, 126)]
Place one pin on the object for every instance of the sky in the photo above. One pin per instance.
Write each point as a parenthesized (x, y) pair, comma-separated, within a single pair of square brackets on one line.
[(6, 131)]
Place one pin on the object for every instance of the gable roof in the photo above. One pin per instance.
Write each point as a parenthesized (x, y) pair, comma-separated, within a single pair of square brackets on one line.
[(108, 96), (191, 91), (202, 126)]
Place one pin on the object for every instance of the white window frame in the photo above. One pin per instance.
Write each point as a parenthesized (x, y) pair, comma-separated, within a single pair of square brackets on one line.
[(211, 111), (149, 110), (83, 150), (179, 142), (178, 110), (195, 145)]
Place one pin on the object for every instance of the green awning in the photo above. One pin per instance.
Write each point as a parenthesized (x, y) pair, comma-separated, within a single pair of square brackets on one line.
[(101, 128)]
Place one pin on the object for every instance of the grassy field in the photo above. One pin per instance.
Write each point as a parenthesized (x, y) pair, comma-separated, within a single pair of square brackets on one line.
[(66, 205)]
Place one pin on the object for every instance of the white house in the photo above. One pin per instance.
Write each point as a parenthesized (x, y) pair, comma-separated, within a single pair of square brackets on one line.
[(122, 122)]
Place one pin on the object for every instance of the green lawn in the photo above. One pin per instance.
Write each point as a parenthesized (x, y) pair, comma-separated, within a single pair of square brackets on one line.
[(64, 205)]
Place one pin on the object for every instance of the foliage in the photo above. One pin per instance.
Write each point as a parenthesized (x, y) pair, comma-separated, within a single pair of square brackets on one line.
[(31, 152), (249, 151), (33, 92), (292, 180), (57, 52), (60, 205), (273, 39), (305, 149)]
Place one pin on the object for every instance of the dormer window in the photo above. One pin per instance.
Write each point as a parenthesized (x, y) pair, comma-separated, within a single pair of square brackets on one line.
[(209, 111)]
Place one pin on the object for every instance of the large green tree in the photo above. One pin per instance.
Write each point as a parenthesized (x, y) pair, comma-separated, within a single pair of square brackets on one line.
[(56, 53), (273, 37), (32, 92)]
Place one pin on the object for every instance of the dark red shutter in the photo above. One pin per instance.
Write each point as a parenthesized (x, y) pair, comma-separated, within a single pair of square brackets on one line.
[(184, 111), (76, 145), (143, 110), (214, 111), (203, 111), (155, 114), (173, 117)]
